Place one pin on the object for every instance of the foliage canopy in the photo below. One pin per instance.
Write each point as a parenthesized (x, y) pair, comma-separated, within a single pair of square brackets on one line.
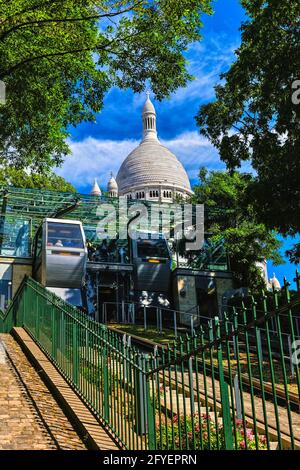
[(246, 240), (59, 58), (254, 116)]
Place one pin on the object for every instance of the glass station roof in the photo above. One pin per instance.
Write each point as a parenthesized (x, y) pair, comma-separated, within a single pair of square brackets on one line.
[(23, 210)]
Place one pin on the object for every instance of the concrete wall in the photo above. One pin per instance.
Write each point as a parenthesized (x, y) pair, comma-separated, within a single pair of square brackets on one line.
[(185, 280), (185, 285), (19, 271)]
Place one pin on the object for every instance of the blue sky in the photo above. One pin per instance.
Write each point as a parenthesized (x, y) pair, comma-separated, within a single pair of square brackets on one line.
[(98, 149)]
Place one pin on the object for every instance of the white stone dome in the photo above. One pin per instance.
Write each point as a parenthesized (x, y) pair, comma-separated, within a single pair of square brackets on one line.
[(112, 184), (151, 165)]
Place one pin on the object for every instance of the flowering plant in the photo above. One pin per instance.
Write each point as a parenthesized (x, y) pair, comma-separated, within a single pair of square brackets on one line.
[(200, 432)]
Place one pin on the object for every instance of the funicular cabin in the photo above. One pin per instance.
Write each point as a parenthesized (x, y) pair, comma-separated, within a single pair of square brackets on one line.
[(60, 257), (60, 254)]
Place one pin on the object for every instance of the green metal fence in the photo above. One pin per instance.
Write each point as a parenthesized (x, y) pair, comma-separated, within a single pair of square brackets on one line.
[(234, 384)]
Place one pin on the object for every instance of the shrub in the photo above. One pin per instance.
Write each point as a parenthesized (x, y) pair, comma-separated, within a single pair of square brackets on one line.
[(202, 433)]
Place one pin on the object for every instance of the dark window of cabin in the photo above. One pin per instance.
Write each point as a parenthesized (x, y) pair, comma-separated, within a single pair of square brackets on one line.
[(152, 249), (64, 235)]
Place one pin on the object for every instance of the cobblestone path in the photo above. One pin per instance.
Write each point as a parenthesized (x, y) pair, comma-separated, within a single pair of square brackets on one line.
[(30, 417)]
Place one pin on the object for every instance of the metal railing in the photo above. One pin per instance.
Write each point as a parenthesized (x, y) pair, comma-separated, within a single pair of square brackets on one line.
[(160, 318), (230, 386)]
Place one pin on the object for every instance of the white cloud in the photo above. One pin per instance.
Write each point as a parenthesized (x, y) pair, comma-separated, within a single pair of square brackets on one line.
[(206, 63), (95, 158)]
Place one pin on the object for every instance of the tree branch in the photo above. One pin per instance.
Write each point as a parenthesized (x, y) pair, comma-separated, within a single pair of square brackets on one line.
[(43, 56), (68, 20), (104, 47)]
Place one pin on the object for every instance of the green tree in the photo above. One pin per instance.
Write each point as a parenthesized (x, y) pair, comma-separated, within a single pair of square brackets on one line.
[(20, 178), (59, 58), (246, 240), (254, 116)]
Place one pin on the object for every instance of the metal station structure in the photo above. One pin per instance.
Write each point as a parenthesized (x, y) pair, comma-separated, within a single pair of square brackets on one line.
[(106, 271)]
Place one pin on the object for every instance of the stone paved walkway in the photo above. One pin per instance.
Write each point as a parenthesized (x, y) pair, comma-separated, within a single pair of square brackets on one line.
[(30, 417)]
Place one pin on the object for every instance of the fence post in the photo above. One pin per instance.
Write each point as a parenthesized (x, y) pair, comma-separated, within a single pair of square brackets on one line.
[(291, 356), (105, 381), (259, 342), (226, 415), (192, 325), (160, 322), (237, 397), (53, 333), (145, 318), (141, 405), (75, 353), (150, 410), (123, 312), (175, 323), (37, 319), (191, 385)]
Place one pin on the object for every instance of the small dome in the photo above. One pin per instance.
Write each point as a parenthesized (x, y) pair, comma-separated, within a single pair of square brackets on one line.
[(112, 184), (96, 191), (274, 283)]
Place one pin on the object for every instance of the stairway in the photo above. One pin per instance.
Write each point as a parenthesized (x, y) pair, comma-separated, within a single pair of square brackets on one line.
[(174, 402)]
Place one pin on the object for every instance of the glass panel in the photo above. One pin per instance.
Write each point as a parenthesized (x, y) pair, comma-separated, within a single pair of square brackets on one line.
[(64, 235), (152, 249), (109, 251), (15, 237), (5, 293)]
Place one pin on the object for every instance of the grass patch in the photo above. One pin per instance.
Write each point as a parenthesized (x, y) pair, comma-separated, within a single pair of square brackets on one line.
[(151, 333)]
